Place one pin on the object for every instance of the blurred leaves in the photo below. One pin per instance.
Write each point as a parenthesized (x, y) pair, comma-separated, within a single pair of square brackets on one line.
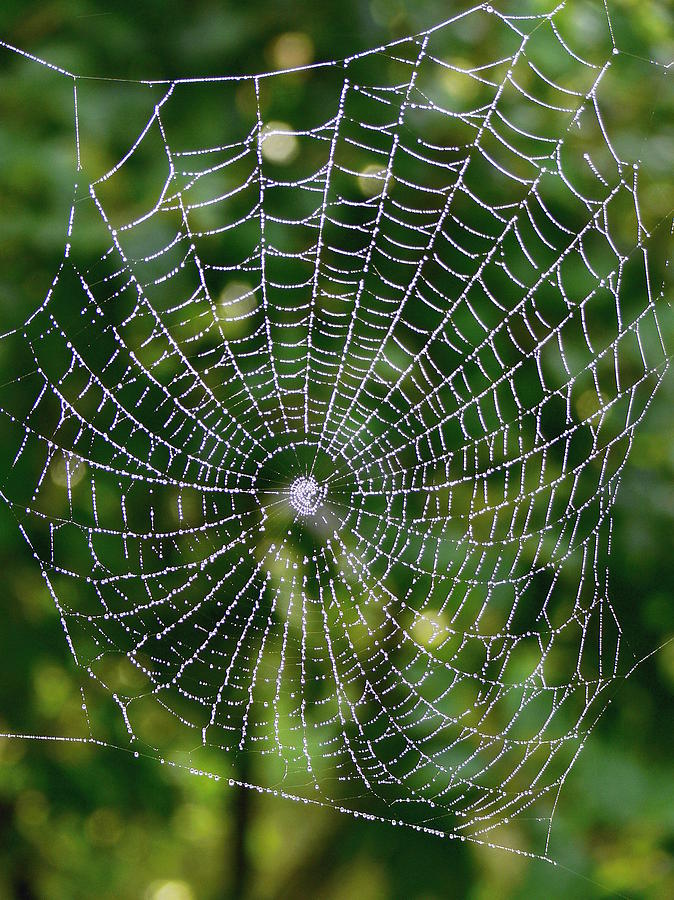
[(78, 821)]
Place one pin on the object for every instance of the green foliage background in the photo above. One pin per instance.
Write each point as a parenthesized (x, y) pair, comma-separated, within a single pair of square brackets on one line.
[(79, 821)]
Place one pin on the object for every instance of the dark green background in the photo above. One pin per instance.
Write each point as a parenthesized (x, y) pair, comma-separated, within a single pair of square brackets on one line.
[(87, 822)]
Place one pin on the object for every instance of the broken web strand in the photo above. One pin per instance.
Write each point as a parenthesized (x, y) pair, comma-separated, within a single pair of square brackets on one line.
[(339, 554)]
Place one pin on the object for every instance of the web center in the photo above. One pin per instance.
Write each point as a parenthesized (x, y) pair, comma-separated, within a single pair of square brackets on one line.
[(306, 495)]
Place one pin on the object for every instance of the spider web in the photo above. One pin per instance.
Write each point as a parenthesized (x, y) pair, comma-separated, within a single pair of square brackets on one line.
[(317, 451)]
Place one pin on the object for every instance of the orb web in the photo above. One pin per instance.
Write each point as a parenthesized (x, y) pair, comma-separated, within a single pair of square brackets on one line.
[(320, 442), (305, 495)]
